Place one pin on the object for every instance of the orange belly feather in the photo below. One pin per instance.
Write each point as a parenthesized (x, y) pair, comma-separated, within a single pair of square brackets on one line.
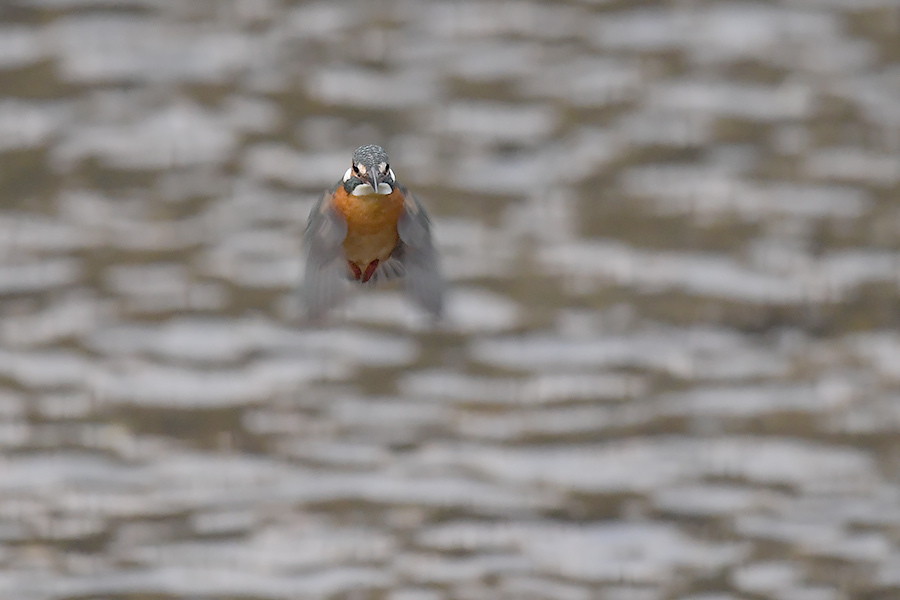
[(371, 225)]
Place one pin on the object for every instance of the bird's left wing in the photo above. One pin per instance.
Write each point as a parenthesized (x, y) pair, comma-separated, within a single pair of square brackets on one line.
[(325, 271), (420, 258)]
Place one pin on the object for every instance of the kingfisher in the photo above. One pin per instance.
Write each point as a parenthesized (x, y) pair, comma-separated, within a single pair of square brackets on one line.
[(369, 228)]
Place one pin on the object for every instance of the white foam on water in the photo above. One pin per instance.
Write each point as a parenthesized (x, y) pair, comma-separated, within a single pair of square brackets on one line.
[(387, 414), (520, 174), (180, 136), (281, 549), (47, 369), (76, 4), (437, 570), (485, 61), (753, 102), (105, 47), (666, 128), (472, 250), (19, 46), (695, 190), (414, 594), (496, 123), (12, 405), (153, 385), (828, 278), (762, 577), (548, 422), (73, 316), (467, 310), (522, 585), (744, 402), (21, 233), (710, 500), (372, 89), (634, 552), (690, 354), (549, 388), (35, 276), (162, 287), (27, 125), (280, 163), (204, 581), (392, 487), (256, 258), (881, 350), (252, 114), (854, 164), (721, 32), (588, 82), (318, 20), (875, 94), (354, 455), (473, 20), (641, 466), (223, 522)]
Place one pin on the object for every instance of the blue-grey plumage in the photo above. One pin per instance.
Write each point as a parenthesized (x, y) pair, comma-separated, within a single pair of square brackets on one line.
[(369, 228), (325, 271), (420, 258)]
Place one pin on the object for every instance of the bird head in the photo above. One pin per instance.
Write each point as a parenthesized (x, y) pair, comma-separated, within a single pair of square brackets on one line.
[(369, 173)]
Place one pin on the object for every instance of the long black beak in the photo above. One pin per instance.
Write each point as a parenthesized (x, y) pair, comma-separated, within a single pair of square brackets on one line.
[(373, 179)]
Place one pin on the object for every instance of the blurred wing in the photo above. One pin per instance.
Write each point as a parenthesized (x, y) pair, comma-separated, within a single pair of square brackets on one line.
[(325, 269), (420, 258)]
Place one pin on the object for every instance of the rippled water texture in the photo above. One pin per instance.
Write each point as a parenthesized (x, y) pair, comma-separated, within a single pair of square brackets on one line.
[(671, 364)]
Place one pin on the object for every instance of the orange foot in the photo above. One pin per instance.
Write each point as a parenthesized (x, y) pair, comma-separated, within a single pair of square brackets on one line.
[(370, 270), (357, 272)]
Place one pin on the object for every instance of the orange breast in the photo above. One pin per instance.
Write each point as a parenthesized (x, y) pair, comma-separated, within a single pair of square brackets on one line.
[(371, 224)]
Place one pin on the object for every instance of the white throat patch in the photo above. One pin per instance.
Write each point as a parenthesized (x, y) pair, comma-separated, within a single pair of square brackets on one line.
[(365, 189)]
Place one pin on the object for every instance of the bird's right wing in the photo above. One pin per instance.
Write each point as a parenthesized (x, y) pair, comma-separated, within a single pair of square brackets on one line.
[(325, 269), (420, 258)]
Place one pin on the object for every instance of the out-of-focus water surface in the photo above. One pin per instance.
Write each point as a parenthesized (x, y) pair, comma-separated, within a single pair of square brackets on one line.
[(671, 364)]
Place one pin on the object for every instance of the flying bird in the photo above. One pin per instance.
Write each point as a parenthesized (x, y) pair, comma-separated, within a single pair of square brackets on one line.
[(369, 228)]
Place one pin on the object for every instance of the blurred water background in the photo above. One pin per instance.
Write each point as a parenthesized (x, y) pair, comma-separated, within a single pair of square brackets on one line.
[(671, 364)]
